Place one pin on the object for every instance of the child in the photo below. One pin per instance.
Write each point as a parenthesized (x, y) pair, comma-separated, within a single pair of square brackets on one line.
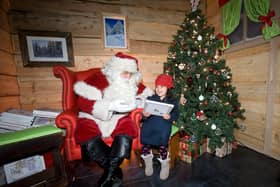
[(155, 130)]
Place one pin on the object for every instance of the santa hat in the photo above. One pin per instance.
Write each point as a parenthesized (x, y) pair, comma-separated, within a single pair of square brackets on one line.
[(164, 80), (123, 62)]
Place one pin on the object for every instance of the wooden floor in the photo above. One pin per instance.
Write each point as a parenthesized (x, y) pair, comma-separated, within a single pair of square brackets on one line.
[(243, 168)]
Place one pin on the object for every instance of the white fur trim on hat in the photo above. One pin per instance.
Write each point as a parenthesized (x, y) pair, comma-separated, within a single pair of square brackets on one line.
[(122, 64), (87, 91)]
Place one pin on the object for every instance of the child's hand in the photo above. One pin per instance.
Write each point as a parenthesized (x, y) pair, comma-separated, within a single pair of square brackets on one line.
[(166, 116), (146, 114)]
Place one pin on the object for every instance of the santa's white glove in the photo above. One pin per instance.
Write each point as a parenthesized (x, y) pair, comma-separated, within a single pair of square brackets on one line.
[(122, 106)]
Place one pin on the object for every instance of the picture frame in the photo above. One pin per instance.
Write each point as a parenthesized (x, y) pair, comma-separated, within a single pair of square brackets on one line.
[(46, 48), (115, 31)]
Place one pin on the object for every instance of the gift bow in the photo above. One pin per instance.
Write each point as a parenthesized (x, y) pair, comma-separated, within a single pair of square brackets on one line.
[(267, 19), (224, 37)]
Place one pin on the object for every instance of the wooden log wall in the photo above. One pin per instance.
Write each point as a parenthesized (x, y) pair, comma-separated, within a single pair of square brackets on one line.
[(150, 26), (255, 70), (9, 92)]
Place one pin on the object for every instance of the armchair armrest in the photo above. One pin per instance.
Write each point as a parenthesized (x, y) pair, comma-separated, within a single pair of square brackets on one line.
[(68, 120), (136, 116)]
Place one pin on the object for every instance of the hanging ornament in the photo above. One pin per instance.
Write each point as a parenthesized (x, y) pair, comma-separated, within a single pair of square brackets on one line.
[(201, 98), (214, 84), (189, 53), (214, 99), (213, 126), (199, 38), (199, 114), (197, 75), (189, 80), (181, 66), (193, 117), (229, 94), (206, 51), (218, 132), (205, 103)]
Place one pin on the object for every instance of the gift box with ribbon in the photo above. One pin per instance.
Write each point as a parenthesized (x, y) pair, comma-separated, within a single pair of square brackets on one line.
[(189, 149)]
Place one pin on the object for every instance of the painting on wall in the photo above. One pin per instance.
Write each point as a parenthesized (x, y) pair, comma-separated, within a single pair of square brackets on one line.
[(114, 32), (46, 48)]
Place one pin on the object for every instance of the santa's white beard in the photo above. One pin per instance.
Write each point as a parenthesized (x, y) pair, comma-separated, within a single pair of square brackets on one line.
[(124, 89)]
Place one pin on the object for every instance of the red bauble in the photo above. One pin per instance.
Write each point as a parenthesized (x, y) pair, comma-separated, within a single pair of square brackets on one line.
[(189, 80)]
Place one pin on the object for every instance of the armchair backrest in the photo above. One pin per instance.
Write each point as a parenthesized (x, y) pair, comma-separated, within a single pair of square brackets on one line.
[(68, 78)]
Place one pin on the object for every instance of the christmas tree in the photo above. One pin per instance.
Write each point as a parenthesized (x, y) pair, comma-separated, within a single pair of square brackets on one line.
[(203, 80)]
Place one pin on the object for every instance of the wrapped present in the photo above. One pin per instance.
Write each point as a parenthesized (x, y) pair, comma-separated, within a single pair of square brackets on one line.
[(226, 149), (189, 149)]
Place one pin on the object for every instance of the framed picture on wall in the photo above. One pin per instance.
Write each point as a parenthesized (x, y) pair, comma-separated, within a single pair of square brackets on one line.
[(46, 48), (114, 32)]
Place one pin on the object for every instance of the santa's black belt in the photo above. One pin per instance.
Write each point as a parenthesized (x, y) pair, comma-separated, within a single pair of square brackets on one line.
[(120, 112)]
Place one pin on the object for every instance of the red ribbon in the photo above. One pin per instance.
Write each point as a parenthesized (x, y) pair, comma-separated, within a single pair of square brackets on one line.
[(224, 37), (267, 19), (222, 2)]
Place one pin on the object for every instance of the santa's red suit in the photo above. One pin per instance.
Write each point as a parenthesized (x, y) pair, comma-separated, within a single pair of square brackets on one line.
[(98, 92), (105, 100)]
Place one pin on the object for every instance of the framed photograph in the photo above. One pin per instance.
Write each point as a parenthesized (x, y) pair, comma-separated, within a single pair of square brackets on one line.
[(114, 32), (46, 48)]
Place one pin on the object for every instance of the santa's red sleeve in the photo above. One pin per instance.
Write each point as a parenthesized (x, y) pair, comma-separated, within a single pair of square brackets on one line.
[(90, 96), (144, 91)]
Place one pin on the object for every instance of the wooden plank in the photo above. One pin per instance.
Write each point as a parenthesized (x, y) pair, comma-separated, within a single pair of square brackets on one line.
[(9, 102), (47, 86), (4, 21), (9, 86), (151, 31), (65, 7), (78, 25), (147, 14), (148, 48), (247, 51), (178, 5), (249, 141), (5, 5), (250, 68), (252, 91), (5, 41), (270, 99), (93, 46), (7, 64)]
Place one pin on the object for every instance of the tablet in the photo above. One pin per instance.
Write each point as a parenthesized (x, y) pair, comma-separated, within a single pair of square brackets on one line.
[(157, 108)]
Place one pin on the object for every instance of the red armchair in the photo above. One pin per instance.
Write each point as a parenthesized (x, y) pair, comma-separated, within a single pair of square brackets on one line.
[(68, 118)]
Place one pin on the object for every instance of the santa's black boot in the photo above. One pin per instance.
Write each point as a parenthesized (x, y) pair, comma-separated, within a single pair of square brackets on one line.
[(96, 150), (121, 148)]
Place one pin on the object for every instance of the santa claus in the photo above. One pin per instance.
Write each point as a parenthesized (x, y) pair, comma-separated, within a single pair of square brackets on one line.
[(105, 100)]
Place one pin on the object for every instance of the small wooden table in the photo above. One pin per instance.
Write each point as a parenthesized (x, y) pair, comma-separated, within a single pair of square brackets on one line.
[(35, 141)]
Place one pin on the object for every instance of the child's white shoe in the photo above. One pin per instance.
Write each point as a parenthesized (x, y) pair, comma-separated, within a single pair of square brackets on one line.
[(164, 171), (148, 159)]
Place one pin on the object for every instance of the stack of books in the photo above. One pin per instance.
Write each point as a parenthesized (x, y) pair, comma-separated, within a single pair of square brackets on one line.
[(15, 119), (44, 117)]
